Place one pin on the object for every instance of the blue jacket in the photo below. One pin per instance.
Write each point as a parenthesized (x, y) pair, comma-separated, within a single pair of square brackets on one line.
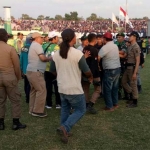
[(24, 59), (24, 54)]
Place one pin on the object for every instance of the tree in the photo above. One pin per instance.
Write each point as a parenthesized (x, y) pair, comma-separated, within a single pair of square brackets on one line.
[(25, 17), (58, 17), (145, 18), (72, 16), (93, 17), (47, 17), (40, 17)]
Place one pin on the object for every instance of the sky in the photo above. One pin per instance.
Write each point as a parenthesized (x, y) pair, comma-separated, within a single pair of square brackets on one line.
[(103, 8)]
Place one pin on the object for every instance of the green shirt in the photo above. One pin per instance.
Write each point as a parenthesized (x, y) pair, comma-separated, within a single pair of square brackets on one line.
[(122, 46), (48, 49)]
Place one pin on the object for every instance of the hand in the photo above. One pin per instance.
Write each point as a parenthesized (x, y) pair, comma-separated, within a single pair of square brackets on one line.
[(142, 65), (134, 76), (90, 79), (87, 54)]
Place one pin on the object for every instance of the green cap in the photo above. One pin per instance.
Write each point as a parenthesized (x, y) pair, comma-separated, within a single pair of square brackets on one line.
[(45, 35), (120, 34)]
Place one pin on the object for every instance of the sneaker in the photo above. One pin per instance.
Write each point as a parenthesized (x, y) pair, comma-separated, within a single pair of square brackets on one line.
[(131, 105), (41, 115), (91, 110), (30, 113), (116, 106), (108, 109), (48, 107), (63, 133), (58, 107)]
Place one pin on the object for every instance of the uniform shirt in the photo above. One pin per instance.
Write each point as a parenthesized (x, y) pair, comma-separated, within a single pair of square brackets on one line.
[(9, 62), (121, 46), (133, 52), (93, 60), (50, 48), (69, 71), (110, 55), (34, 62)]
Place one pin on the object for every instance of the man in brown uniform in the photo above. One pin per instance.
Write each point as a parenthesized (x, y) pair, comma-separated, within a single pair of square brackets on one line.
[(129, 80), (9, 77)]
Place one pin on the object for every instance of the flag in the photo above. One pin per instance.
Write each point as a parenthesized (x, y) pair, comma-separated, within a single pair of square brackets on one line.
[(114, 19), (122, 12), (129, 22)]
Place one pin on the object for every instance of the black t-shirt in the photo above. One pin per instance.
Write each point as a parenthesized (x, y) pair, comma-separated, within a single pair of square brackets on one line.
[(99, 48), (93, 60)]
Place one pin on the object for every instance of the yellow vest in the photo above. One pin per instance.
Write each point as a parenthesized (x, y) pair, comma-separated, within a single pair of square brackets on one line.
[(11, 42), (144, 44)]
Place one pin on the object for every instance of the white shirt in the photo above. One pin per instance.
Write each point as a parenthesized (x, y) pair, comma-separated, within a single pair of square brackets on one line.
[(110, 55), (68, 72)]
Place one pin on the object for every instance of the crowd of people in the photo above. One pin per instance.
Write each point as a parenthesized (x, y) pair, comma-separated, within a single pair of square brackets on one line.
[(78, 26), (111, 67)]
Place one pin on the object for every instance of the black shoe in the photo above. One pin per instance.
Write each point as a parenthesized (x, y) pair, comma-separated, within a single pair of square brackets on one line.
[(132, 105), (17, 125), (2, 126), (41, 115), (91, 110)]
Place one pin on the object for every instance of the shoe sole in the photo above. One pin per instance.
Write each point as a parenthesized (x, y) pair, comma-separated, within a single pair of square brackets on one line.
[(38, 115)]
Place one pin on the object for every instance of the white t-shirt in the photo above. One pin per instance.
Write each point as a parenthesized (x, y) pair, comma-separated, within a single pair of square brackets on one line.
[(68, 72), (110, 55), (34, 62)]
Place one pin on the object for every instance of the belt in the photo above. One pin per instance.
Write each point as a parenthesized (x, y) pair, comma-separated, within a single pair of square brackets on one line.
[(130, 64), (40, 71), (111, 69)]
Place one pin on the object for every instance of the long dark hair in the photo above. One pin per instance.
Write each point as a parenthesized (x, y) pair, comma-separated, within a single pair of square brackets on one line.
[(67, 36)]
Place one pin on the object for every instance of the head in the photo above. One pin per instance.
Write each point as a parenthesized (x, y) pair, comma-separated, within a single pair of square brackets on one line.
[(53, 37), (46, 39), (28, 40), (133, 37), (10, 36), (107, 37), (68, 40), (3, 35), (92, 39), (99, 39), (37, 37), (84, 40), (120, 37), (20, 35)]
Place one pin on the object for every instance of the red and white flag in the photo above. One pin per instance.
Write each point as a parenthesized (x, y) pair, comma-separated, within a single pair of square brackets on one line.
[(114, 19), (129, 22), (122, 12)]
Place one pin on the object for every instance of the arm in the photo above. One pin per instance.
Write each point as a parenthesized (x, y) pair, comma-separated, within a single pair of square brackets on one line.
[(16, 63), (53, 68), (44, 58), (85, 69), (122, 54), (136, 68)]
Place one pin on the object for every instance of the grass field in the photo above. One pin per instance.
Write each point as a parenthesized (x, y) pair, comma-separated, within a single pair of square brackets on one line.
[(123, 129)]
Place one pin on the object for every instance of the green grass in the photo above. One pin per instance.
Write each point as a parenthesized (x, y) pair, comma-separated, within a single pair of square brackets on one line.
[(123, 129)]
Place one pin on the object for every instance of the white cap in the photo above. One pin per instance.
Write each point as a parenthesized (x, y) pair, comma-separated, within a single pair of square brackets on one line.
[(52, 34)]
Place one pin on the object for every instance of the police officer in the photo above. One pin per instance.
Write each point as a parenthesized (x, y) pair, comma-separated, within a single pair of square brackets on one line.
[(10, 75), (122, 53), (129, 80)]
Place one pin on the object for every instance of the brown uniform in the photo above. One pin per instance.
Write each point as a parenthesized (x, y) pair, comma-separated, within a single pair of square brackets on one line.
[(10, 74), (129, 85)]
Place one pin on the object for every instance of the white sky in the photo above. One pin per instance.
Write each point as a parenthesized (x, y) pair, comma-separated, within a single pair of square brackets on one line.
[(103, 8)]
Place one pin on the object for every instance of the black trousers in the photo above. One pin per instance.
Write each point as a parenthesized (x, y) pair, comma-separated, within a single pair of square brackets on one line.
[(27, 88), (51, 82)]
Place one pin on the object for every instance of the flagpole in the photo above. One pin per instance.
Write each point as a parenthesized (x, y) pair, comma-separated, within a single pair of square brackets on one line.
[(125, 18)]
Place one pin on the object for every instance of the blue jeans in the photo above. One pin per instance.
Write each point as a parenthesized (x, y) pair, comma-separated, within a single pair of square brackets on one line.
[(77, 102), (110, 86)]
